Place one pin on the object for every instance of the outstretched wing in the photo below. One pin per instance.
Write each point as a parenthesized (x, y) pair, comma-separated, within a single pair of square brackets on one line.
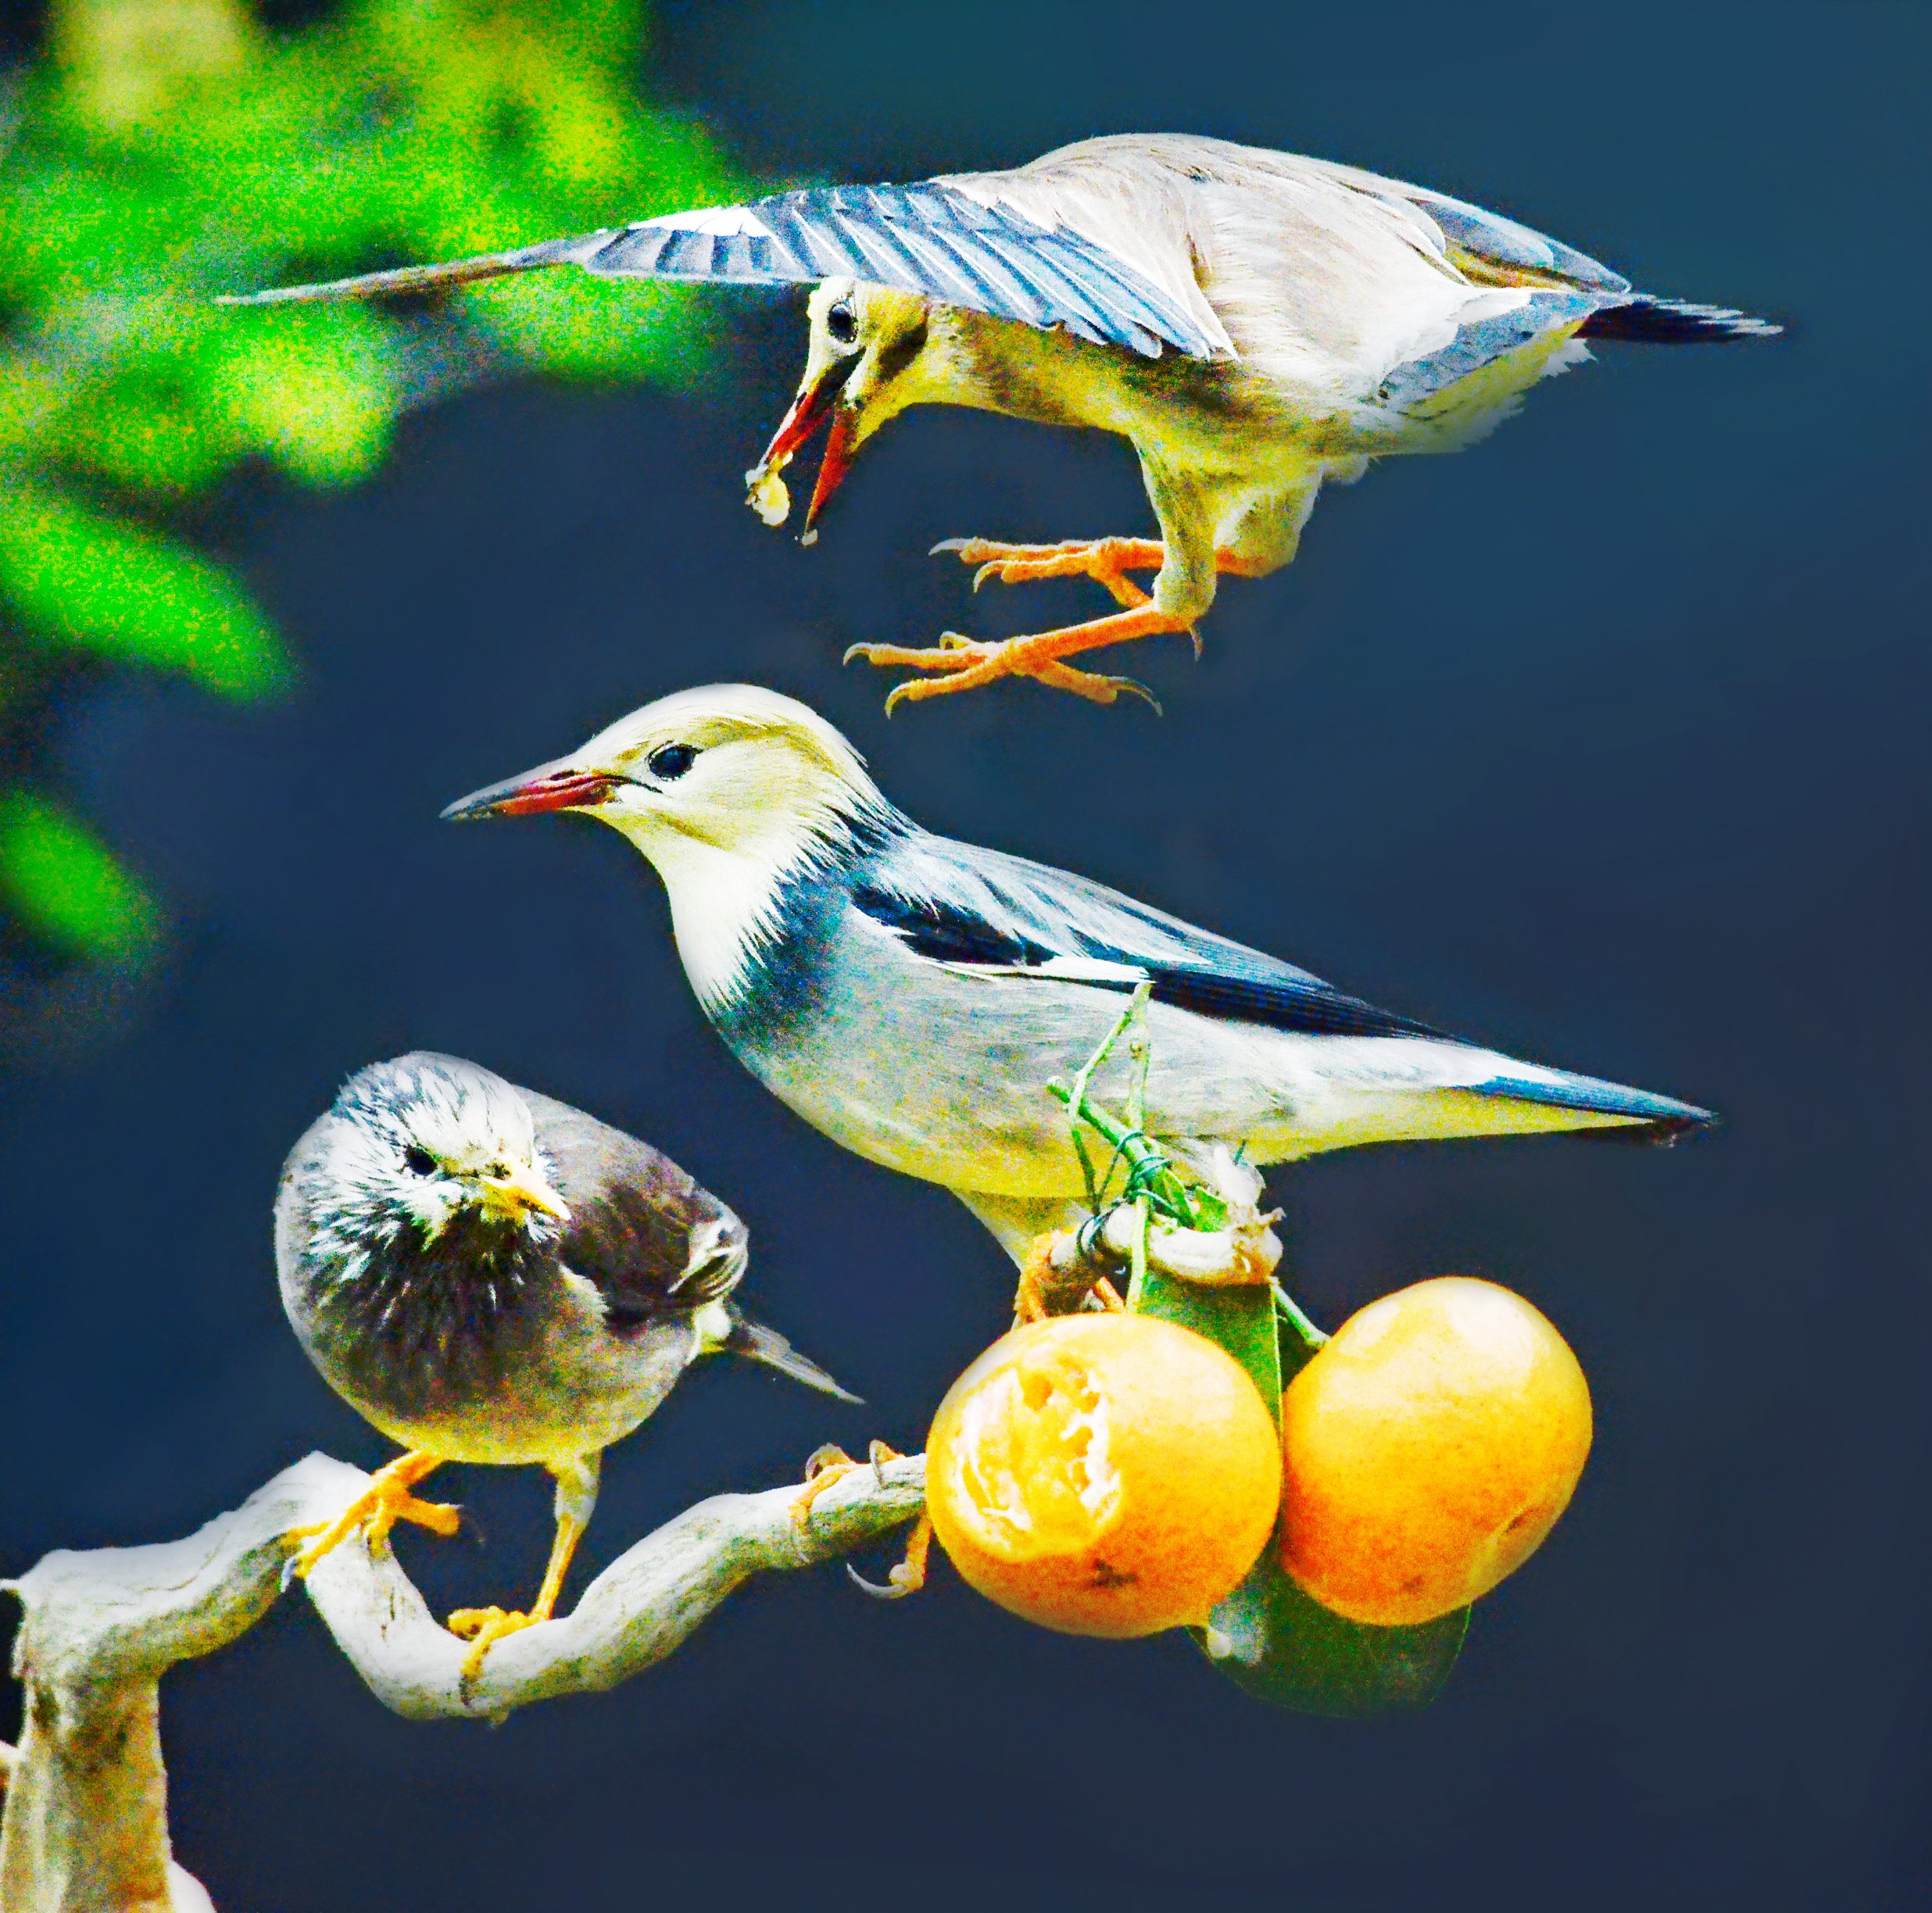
[(929, 238)]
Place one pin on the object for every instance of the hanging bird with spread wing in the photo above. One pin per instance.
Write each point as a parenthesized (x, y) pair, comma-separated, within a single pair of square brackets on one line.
[(1256, 323), (913, 997), (487, 1274)]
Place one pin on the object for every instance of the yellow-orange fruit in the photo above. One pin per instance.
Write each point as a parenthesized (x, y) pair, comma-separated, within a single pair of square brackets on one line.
[(1430, 1446), (1105, 1475)]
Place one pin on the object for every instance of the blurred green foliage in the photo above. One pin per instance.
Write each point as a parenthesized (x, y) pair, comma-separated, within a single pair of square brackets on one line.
[(162, 151)]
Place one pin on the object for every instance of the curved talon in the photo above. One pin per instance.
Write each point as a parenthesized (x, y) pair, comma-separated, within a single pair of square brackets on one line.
[(1139, 690), (893, 1592), (908, 1577)]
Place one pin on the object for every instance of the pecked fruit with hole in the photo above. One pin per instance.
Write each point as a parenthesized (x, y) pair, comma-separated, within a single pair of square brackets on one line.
[(1430, 1446), (1103, 1473)]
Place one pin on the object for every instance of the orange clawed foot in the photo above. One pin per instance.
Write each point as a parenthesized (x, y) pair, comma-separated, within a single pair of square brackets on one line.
[(830, 1463), (1043, 1282), (388, 1499), (968, 663), (964, 663), (1106, 560), (484, 1627), (908, 1576)]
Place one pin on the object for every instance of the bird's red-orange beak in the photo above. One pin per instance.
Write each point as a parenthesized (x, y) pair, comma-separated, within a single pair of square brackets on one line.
[(809, 410), (559, 786)]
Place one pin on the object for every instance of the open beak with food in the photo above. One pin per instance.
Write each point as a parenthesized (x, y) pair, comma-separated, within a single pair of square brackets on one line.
[(816, 402)]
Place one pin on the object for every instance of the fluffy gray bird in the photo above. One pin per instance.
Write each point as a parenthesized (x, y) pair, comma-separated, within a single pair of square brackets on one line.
[(1255, 323), (913, 997), (489, 1275)]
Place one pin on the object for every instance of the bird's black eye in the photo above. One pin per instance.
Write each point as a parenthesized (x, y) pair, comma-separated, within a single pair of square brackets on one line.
[(671, 760), (841, 322), (418, 1160)]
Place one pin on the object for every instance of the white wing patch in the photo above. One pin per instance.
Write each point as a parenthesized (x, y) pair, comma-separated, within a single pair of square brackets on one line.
[(726, 222), (1061, 969)]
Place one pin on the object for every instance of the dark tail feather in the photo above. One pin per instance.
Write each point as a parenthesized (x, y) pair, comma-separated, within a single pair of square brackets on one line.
[(1650, 321), (756, 1342), (1664, 1133), (429, 278)]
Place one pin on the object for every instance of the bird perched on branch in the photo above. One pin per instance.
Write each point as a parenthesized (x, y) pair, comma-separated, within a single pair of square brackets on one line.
[(913, 997), (1254, 323), (489, 1275)]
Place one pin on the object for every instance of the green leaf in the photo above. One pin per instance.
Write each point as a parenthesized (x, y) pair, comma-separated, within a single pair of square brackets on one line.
[(138, 180), (318, 390), (1239, 1319), (59, 879), (1282, 1646), (579, 328), (113, 588), (1285, 1647)]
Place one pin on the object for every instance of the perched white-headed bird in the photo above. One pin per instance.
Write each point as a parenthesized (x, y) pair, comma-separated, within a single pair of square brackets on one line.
[(487, 1274), (1254, 323), (913, 997)]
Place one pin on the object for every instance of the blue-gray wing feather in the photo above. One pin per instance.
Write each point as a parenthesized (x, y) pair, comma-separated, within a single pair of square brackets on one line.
[(958, 904), (969, 907), (930, 239), (1507, 242), (1481, 343)]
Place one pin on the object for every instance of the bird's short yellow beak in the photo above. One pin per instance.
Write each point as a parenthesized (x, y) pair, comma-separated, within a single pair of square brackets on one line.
[(515, 1195)]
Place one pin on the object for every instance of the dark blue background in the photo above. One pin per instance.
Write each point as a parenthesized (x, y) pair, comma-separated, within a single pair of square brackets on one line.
[(1604, 743)]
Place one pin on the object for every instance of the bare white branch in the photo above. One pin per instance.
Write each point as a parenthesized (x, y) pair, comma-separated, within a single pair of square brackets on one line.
[(85, 1828)]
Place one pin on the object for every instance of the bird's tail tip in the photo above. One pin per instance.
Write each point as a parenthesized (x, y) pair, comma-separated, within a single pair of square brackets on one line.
[(1635, 1115), (753, 1341), (1646, 320), (1659, 1132)]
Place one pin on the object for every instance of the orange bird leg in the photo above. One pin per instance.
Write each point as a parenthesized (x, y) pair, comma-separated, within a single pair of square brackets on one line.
[(385, 1501), (969, 664), (1044, 1282), (1104, 559), (486, 1626), (1029, 1297)]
